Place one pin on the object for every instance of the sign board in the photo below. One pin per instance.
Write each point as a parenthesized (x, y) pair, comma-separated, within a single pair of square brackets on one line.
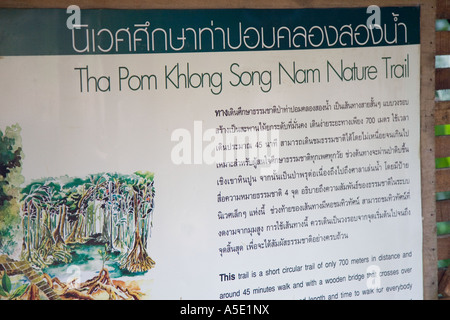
[(216, 154)]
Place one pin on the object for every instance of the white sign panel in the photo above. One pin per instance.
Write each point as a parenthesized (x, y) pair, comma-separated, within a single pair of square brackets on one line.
[(209, 154)]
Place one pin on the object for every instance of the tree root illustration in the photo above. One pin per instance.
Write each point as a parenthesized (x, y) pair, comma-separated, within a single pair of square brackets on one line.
[(99, 287), (137, 260)]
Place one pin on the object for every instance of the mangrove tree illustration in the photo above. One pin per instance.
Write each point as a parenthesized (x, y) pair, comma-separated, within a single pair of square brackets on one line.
[(106, 208)]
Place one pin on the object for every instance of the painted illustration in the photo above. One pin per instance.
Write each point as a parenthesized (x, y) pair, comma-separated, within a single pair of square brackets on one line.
[(95, 229)]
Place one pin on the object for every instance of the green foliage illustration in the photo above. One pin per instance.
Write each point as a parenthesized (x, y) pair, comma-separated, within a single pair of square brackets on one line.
[(6, 288), (11, 156)]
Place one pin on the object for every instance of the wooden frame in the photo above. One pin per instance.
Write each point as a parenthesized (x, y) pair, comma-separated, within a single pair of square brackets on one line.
[(427, 93), (442, 117)]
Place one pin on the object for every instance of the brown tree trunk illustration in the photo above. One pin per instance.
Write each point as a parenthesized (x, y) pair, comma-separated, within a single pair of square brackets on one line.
[(137, 260), (32, 293), (71, 237), (59, 241)]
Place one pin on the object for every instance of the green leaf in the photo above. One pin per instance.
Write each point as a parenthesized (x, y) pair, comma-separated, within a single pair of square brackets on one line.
[(19, 291), (2, 292), (6, 283)]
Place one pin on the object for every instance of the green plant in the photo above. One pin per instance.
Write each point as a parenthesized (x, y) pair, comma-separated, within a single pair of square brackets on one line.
[(105, 256), (6, 289)]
